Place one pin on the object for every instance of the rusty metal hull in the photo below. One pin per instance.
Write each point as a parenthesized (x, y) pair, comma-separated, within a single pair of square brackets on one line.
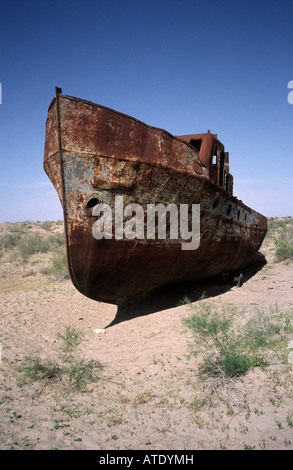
[(94, 154)]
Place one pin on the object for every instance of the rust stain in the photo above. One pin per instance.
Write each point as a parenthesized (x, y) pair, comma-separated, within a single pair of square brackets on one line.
[(93, 153)]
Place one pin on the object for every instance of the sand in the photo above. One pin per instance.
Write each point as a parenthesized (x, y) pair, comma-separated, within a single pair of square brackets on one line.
[(148, 395)]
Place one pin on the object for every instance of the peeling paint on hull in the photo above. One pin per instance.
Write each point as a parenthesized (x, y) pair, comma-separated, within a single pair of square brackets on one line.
[(93, 154)]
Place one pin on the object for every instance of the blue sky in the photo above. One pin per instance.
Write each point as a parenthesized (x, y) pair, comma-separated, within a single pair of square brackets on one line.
[(182, 65)]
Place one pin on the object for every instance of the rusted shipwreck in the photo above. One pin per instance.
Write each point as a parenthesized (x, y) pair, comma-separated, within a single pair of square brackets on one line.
[(95, 155)]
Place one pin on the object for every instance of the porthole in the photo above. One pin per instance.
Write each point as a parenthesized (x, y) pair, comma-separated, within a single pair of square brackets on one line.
[(92, 202), (90, 205), (216, 202)]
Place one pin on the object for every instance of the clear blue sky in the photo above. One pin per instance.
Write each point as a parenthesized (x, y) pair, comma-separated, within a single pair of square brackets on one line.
[(182, 65)]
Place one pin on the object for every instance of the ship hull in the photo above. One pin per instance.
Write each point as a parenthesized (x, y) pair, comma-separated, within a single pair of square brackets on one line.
[(90, 161)]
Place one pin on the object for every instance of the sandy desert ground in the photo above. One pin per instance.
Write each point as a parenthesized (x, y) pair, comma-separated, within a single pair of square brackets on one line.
[(148, 394)]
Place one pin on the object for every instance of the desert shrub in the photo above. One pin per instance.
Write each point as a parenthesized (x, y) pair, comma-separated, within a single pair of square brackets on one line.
[(227, 350), (9, 240), (283, 239), (46, 225), (34, 368), (17, 226), (235, 364), (284, 250), (217, 340), (260, 331), (70, 369), (56, 240), (31, 244), (59, 268)]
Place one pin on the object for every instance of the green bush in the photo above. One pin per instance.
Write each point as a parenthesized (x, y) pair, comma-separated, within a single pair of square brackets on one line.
[(216, 339), (34, 368), (59, 268), (261, 330), (46, 225), (70, 369), (31, 244), (56, 240), (235, 364), (9, 240), (284, 240), (16, 236), (284, 250), (227, 350)]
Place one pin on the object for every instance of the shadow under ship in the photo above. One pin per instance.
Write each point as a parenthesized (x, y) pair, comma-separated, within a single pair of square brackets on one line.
[(94, 154)]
